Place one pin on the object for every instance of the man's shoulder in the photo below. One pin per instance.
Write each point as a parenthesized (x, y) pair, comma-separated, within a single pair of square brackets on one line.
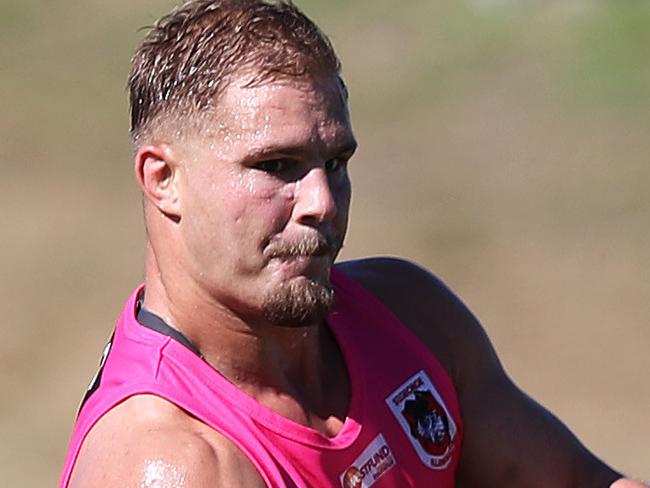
[(407, 288), (390, 264), (146, 440), (398, 275), (421, 301)]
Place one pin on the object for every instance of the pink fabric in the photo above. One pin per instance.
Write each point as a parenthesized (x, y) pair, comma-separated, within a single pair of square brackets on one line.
[(375, 446)]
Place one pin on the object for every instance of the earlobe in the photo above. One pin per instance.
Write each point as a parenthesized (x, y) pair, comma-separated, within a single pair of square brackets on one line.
[(157, 173)]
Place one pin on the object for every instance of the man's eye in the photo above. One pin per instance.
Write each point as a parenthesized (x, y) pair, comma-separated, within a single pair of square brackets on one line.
[(333, 165), (273, 165)]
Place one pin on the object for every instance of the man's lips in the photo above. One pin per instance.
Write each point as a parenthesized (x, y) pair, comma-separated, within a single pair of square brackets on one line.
[(309, 266)]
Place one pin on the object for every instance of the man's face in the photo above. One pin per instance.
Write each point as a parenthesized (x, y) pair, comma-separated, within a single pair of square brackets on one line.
[(265, 199)]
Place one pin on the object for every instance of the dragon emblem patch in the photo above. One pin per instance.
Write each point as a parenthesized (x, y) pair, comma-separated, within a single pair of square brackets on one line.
[(423, 415)]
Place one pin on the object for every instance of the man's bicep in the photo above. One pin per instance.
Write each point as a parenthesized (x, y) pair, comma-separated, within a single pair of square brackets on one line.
[(152, 461), (512, 441), (162, 447)]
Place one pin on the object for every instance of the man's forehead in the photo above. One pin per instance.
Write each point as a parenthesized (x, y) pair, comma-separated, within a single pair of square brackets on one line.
[(247, 107), (285, 116)]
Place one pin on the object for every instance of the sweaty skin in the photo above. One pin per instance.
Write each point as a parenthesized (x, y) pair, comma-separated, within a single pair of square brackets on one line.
[(157, 473), (213, 207)]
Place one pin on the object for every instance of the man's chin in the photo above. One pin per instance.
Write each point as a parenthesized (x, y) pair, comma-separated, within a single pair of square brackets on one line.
[(299, 302)]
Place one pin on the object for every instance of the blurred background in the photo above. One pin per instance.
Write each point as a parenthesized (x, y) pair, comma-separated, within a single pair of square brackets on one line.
[(503, 144)]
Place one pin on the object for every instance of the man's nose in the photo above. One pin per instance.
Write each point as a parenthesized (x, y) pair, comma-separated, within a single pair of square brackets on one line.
[(315, 202)]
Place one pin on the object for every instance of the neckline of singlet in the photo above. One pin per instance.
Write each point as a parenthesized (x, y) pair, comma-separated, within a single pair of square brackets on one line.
[(152, 321), (260, 413)]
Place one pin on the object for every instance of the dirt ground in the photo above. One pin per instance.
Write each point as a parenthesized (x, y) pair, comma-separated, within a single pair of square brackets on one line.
[(504, 145)]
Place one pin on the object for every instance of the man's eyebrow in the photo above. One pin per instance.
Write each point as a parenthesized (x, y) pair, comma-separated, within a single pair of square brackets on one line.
[(277, 150), (297, 150)]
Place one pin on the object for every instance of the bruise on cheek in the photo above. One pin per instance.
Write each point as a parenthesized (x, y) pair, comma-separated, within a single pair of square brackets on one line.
[(157, 473)]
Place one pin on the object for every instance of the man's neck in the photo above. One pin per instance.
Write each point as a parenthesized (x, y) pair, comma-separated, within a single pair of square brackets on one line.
[(293, 371)]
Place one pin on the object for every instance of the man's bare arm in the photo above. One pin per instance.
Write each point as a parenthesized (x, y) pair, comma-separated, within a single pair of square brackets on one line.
[(148, 442), (509, 439), (627, 483)]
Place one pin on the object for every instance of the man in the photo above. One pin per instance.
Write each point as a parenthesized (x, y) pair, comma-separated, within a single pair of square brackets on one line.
[(247, 358)]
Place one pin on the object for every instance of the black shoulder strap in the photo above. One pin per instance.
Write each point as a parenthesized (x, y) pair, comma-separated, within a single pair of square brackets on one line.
[(152, 321)]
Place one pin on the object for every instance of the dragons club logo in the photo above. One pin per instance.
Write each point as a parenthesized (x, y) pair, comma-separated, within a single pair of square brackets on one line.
[(420, 410)]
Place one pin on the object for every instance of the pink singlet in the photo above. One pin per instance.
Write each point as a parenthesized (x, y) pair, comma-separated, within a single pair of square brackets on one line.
[(403, 426)]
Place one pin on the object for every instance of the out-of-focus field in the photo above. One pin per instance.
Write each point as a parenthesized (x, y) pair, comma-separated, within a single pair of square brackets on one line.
[(504, 144)]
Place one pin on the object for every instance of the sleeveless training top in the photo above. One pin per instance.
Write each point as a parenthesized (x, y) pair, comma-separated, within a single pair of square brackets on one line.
[(403, 427)]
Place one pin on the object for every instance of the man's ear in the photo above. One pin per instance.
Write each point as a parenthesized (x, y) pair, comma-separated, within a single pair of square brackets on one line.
[(158, 174)]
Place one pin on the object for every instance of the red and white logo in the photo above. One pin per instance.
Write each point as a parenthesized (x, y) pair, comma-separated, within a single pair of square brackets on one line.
[(372, 463), (423, 415)]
